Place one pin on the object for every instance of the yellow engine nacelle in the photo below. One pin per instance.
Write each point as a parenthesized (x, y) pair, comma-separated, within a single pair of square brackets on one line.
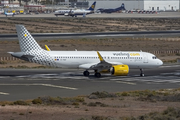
[(119, 70)]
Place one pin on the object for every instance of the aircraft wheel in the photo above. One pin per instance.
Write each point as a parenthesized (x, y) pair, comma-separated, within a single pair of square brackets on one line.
[(97, 74), (142, 74), (86, 73)]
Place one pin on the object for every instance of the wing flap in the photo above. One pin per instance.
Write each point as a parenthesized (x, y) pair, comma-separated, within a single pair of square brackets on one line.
[(88, 65)]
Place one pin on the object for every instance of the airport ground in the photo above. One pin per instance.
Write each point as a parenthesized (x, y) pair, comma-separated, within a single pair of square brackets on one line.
[(28, 84), (104, 15), (23, 84), (46, 24)]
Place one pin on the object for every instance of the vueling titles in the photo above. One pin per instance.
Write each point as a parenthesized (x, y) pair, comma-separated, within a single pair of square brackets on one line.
[(126, 54)]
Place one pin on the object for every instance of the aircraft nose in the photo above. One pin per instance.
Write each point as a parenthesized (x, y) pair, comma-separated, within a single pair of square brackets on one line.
[(160, 62)]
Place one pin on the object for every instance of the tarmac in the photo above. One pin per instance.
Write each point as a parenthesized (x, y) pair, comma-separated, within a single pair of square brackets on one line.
[(103, 15), (23, 84)]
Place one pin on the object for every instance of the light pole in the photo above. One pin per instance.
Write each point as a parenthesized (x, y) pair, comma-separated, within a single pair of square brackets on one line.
[(52, 5)]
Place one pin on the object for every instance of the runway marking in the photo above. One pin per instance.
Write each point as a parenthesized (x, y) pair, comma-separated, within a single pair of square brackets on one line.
[(3, 93), (169, 66), (153, 79), (47, 85), (120, 81), (129, 83)]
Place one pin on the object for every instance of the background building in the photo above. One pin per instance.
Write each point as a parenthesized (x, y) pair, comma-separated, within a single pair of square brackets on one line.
[(159, 5), (162, 5), (9, 3)]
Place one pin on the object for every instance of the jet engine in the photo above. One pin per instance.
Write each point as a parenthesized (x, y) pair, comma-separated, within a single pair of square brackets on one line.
[(119, 70)]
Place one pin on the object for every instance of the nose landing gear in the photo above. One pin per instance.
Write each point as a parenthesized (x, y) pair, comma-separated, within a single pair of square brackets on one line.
[(142, 73)]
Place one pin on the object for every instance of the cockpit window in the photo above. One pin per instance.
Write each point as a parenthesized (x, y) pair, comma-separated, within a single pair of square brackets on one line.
[(154, 57)]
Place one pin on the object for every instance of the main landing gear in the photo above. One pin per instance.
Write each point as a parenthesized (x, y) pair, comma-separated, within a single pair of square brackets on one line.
[(86, 73), (142, 73), (97, 74)]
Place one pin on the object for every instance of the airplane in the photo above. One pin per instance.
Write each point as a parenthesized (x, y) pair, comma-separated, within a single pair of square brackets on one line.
[(147, 11), (1, 11), (9, 14), (102, 10), (117, 63), (74, 13)]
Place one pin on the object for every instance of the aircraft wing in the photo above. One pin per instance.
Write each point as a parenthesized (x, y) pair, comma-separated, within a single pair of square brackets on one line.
[(101, 66)]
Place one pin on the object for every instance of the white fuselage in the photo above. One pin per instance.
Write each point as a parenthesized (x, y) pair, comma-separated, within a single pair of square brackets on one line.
[(73, 12), (82, 11), (61, 12), (9, 14), (84, 59)]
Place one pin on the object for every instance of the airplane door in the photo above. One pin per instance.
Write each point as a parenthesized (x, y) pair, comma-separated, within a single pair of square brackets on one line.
[(145, 58)]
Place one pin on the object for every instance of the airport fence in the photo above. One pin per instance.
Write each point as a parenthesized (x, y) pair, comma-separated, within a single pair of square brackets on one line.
[(177, 52), (8, 59), (165, 52)]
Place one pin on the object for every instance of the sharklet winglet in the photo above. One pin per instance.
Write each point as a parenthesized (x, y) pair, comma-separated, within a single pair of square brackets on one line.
[(47, 48), (100, 57)]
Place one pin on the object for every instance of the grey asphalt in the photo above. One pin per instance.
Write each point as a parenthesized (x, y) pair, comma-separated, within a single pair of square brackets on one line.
[(23, 84), (174, 33), (103, 15)]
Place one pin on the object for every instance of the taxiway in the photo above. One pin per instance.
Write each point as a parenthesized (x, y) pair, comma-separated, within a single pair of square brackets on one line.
[(23, 84), (103, 15)]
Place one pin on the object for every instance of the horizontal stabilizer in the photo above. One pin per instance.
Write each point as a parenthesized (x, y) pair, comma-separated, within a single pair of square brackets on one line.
[(28, 56), (21, 55)]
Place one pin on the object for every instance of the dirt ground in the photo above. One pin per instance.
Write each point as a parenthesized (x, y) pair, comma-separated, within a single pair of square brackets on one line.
[(77, 25), (115, 109)]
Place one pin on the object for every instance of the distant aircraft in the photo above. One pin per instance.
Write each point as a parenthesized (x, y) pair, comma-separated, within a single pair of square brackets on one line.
[(102, 10), (1, 11), (147, 11), (74, 13), (9, 14), (117, 63)]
